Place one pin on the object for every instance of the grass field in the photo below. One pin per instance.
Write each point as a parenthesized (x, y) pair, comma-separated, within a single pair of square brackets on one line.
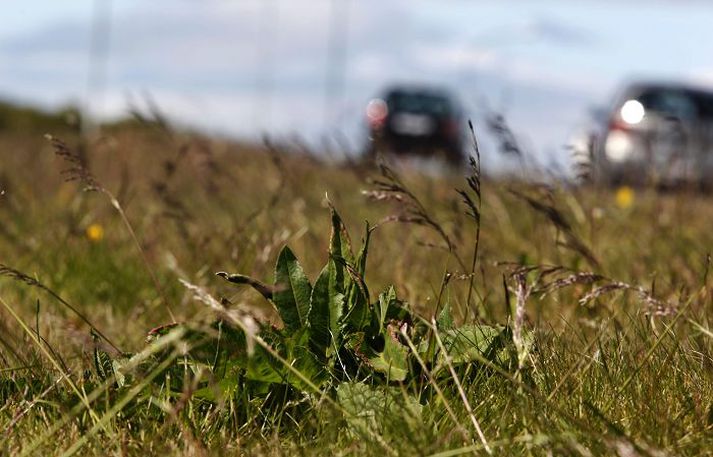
[(582, 328)]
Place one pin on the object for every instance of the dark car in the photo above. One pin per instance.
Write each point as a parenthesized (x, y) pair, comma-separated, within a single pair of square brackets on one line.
[(417, 121), (656, 133)]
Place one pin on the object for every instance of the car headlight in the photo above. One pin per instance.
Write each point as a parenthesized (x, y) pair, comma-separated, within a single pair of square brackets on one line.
[(619, 146), (632, 112)]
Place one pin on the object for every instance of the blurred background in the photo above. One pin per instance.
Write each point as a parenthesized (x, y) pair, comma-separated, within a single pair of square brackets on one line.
[(309, 68)]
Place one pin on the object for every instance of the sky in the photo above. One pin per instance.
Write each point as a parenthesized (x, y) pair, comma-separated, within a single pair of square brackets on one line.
[(308, 67)]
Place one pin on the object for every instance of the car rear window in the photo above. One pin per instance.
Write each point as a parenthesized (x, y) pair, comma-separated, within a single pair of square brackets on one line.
[(418, 103)]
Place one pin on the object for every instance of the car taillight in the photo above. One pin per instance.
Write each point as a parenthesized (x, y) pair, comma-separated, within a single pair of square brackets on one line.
[(376, 112), (616, 124)]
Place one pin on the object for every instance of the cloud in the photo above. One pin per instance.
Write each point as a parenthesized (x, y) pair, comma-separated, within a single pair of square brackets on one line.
[(561, 33), (244, 66)]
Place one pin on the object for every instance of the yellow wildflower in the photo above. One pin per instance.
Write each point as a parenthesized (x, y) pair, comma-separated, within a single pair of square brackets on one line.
[(624, 197), (95, 233)]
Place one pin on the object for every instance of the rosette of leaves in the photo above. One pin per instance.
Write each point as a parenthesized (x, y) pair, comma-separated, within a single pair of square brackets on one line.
[(332, 333), (332, 330)]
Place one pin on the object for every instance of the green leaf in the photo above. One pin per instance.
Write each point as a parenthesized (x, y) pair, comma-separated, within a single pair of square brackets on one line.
[(264, 289), (475, 343), (338, 281), (220, 390), (264, 367), (103, 365), (261, 365), (326, 309), (335, 291), (292, 291), (337, 261), (383, 409), (320, 313), (117, 366), (445, 319), (340, 244), (358, 306), (466, 343), (358, 301), (393, 361), (363, 252), (386, 301), (300, 357), (346, 279), (102, 360)]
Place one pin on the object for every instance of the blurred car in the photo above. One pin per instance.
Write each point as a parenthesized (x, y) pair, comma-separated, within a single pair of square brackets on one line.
[(421, 121), (655, 133)]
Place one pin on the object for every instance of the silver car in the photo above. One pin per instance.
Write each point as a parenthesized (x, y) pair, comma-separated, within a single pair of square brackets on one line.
[(659, 134)]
